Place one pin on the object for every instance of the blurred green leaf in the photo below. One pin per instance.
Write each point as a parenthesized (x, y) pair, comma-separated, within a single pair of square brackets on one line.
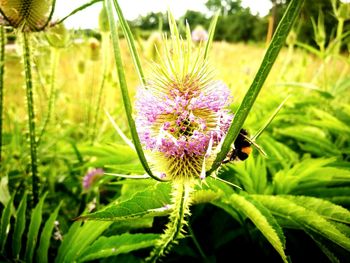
[(112, 246), (5, 223), (20, 226), (42, 252), (34, 226)]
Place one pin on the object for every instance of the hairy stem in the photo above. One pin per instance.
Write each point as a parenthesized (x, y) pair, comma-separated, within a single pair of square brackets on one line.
[(181, 198), (31, 117), (2, 69)]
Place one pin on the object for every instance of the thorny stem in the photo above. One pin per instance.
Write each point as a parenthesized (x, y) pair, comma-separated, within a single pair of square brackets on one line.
[(31, 117), (2, 69), (181, 200)]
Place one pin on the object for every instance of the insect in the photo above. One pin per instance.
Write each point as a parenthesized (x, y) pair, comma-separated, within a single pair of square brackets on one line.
[(242, 148)]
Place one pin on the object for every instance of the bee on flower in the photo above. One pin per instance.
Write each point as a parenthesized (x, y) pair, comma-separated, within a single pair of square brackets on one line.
[(182, 114)]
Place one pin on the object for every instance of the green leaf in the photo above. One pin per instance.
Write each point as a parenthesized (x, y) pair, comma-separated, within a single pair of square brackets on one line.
[(211, 32), (306, 218), (153, 201), (42, 252), (131, 43), (124, 90), (272, 52), (324, 208), (5, 223), (263, 220), (85, 235), (115, 245), (311, 139), (35, 222), (324, 248), (68, 239), (20, 226)]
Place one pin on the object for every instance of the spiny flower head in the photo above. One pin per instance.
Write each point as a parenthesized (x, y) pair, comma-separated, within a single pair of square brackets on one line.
[(28, 15), (199, 34), (182, 113)]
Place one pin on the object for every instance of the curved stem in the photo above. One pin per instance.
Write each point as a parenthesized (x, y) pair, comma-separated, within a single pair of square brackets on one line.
[(181, 194), (2, 69), (124, 90), (31, 117)]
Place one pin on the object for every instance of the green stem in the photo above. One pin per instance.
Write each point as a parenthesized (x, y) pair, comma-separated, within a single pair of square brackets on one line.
[(52, 98), (270, 57), (2, 69), (181, 193), (105, 49), (31, 117)]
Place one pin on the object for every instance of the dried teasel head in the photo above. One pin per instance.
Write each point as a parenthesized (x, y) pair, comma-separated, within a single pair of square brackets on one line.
[(27, 15)]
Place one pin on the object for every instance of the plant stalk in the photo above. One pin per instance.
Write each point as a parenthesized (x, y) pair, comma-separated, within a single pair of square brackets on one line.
[(2, 70), (181, 193), (31, 116)]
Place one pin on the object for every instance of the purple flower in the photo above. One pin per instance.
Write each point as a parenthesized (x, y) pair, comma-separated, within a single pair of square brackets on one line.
[(90, 177), (199, 34), (181, 112)]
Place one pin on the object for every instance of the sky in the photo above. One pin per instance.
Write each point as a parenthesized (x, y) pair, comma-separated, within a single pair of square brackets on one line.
[(88, 18)]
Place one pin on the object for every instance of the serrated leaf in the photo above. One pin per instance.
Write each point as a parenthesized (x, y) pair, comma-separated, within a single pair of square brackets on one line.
[(115, 245), (324, 208), (306, 218), (42, 252), (20, 226), (263, 220), (35, 222), (326, 250), (154, 200), (5, 223)]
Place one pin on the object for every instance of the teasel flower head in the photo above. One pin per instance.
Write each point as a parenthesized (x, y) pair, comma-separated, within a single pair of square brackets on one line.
[(182, 114), (27, 15), (199, 34)]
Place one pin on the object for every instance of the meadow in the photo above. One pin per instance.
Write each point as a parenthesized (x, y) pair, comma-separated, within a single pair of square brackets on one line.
[(287, 202)]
